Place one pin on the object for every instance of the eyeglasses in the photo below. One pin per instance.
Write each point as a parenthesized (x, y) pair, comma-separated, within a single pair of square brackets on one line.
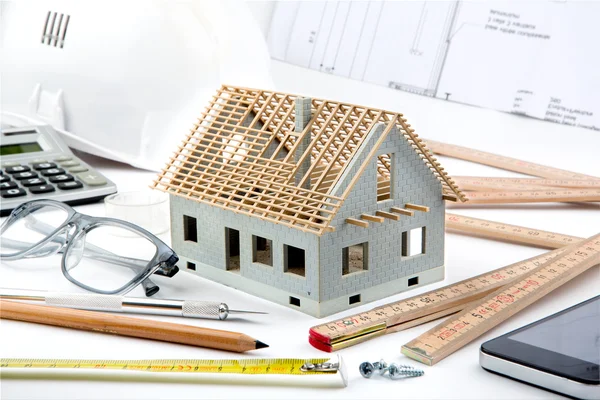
[(102, 255)]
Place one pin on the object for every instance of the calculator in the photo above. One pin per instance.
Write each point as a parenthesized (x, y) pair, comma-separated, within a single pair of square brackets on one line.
[(36, 164)]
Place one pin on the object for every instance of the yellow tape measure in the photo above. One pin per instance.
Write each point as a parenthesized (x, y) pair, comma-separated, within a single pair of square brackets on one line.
[(447, 300), (479, 317), (251, 366)]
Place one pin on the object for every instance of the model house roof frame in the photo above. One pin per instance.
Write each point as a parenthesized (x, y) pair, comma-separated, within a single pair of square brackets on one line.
[(247, 154)]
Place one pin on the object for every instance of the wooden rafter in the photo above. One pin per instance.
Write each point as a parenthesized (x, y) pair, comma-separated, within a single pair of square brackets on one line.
[(240, 156)]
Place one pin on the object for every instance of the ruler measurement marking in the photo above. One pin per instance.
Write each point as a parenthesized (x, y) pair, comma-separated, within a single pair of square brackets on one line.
[(405, 313), (439, 299), (476, 319), (249, 366), (503, 162), (507, 232), (493, 183), (536, 196)]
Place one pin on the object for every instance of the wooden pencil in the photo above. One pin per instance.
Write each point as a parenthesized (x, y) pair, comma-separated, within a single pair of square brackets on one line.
[(129, 326)]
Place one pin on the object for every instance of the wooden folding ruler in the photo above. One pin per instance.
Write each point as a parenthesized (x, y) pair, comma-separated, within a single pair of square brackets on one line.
[(503, 162), (559, 185), (448, 300), (482, 315), (507, 233), (496, 184)]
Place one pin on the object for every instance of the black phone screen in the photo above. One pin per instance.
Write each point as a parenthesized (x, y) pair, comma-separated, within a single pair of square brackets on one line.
[(574, 334), (566, 344)]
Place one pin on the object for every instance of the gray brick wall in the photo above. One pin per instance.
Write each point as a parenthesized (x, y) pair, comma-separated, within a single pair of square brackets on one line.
[(414, 183), (210, 248)]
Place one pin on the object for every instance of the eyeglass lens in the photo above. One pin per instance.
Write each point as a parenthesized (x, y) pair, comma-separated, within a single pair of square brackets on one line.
[(32, 228), (108, 257)]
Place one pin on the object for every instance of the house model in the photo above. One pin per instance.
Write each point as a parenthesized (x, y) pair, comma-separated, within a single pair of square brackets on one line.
[(313, 204)]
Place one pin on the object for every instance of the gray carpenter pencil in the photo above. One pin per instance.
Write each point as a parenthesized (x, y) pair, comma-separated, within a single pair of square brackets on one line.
[(129, 326)]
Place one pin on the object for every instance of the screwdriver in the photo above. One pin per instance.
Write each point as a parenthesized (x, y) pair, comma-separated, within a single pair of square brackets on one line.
[(136, 305)]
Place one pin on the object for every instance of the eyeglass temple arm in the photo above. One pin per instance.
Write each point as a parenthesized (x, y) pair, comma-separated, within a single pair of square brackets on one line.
[(149, 286), (133, 263), (102, 254), (93, 251)]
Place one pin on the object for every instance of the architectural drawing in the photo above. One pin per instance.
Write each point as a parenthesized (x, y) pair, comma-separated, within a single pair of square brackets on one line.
[(313, 204), (499, 55)]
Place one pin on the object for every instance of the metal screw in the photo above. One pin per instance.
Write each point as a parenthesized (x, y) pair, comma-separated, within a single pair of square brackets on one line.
[(403, 371), (366, 369), (394, 371)]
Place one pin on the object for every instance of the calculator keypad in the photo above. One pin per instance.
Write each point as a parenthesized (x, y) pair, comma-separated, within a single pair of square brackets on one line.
[(33, 182), (41, 189), (69, 164), (92, 178), (53, 171), (7, 185), (70, 185), (13, 193), (43, 176), (17, 169), (61, 178), (24, 175), (77, 169), (45, 165)]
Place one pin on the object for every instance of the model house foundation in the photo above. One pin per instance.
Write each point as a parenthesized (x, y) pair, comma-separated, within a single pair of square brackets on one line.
[(313, 204)]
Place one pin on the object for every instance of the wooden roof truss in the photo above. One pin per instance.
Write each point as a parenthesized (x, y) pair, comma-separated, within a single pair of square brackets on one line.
[(241, 156)]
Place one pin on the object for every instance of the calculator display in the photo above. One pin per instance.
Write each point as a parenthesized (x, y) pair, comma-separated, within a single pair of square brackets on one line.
[(20, 148), (36, 163)]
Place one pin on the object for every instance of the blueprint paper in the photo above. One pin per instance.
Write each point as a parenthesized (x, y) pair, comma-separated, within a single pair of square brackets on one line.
[(540, 59)]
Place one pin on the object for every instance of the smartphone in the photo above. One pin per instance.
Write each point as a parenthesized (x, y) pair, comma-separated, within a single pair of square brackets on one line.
[(560, 353)]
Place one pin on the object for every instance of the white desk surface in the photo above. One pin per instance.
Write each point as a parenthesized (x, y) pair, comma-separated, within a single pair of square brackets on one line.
[(286, 330)]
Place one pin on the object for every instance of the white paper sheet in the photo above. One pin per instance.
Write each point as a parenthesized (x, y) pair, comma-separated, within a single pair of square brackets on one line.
[(540, 59)]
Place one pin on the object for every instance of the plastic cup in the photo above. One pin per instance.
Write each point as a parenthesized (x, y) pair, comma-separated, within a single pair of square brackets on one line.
[(148, 209)]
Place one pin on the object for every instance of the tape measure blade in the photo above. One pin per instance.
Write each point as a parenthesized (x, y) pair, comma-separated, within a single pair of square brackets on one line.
[(279, 366), (508, 233), (480, 316)]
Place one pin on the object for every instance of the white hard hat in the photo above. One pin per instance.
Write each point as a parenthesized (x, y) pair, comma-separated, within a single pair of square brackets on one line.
[(125, 80)]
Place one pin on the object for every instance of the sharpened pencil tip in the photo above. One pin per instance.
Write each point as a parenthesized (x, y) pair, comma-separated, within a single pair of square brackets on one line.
[(261, 345)]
